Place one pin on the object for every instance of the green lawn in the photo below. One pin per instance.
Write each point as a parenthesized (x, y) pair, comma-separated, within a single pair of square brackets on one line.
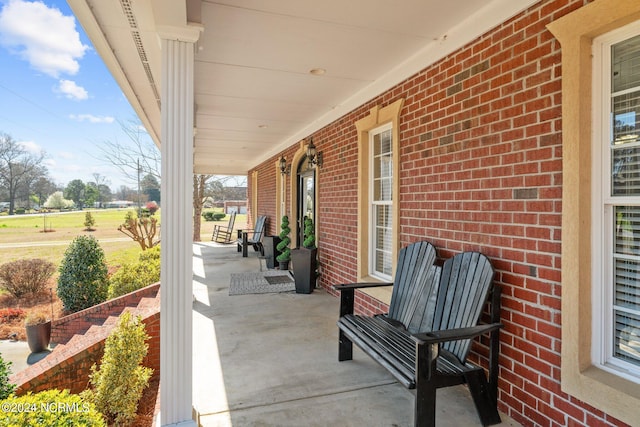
[(19, 229)]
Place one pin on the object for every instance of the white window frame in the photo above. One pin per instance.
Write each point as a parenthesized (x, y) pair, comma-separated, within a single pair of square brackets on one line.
[(603, 207), (373, 203)]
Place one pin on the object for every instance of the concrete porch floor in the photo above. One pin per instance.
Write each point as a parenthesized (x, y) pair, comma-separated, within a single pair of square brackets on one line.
[(271, 360)]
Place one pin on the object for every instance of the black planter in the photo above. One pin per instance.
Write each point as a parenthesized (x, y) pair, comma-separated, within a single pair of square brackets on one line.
[(38, 336), (270, 251), (283, 265), (304, 269)]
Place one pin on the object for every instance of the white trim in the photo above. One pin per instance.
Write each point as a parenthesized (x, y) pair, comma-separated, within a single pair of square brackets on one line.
[(603, 209), (372, 221)]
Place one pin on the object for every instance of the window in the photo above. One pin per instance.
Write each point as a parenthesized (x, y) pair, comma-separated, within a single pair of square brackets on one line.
[(616, 254), (378, 212), (381, 230)]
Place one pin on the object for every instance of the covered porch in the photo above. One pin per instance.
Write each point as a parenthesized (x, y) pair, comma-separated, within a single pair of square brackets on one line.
[(272, 359)]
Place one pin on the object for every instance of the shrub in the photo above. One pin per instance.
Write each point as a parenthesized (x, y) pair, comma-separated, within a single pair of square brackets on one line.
[(133, 276), (52, 408), (213, 216), (89, 221), (116, 387), (309, 234), (9, 314), (35, 318), (152, 207), (283, 246), (83, 275), (6, 388), (25, 276)]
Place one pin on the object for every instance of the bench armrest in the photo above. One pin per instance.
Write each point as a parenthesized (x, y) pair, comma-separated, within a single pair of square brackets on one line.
[(348, 286), (435, 337), (347, 294)]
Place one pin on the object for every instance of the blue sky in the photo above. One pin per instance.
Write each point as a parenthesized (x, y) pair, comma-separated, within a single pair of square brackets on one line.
[(56, 95)]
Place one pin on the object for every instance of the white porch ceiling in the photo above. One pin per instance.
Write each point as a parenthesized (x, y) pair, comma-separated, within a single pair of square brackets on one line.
[(254, 94)]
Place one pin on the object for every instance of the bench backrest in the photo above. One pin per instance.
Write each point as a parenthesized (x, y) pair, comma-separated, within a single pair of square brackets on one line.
[(258, 229), (232, 221), (465, 282), (412, 276)]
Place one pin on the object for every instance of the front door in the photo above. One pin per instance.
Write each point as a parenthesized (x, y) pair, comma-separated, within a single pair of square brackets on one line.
[(306, 198)]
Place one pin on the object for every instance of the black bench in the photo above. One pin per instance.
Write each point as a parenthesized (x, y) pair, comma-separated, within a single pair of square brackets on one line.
[(424, 339), (253, 237)]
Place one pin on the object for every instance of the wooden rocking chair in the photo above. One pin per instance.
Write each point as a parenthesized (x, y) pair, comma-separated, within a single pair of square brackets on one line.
[(224, 234)]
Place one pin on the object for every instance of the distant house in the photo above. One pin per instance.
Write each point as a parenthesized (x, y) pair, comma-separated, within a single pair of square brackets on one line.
[(238, 206), (121, 204)]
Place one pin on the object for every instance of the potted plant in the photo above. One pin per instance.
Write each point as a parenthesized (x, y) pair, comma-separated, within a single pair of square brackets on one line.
[(305, 260), (38, 331), (283, 246)]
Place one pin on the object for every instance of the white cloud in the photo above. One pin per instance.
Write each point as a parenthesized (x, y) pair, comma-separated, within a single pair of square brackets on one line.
[(71, 90), (31, 147), (66, 155), (41, 35), (91, 118)]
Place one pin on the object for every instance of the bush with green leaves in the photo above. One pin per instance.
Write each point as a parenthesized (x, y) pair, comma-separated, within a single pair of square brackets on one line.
[(6, 388), (117, 386), (309, 234), (83, 279), (213, 216), (51, 408), (135, 275), (89, 221), (283, 246), (25, 276)]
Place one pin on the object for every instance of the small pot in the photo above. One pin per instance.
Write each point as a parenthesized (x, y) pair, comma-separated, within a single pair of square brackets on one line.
[(283, 265), (38, 336)]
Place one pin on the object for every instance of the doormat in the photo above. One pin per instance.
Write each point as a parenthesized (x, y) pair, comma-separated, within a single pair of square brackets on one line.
[(261, 283)]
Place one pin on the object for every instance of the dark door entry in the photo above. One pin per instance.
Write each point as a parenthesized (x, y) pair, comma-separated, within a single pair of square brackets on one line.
[(306, 197)]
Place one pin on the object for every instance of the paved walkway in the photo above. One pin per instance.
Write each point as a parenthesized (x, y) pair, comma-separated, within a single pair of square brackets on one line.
[(57, 243), (272, 360)]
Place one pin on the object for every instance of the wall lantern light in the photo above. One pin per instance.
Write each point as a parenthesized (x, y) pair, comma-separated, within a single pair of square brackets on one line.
[(284, 168), (314, 157)]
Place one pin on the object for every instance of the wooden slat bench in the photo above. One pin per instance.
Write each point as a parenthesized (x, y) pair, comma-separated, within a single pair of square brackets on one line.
[(253, 237), (424, 339)]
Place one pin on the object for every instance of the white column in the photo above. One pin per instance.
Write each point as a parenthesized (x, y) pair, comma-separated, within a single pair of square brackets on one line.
[(177, 222)]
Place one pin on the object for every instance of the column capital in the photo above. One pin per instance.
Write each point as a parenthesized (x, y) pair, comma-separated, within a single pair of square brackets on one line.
[(189, 33)]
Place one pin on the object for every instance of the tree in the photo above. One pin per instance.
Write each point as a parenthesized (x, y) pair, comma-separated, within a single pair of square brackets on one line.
[(17, 167), (126, 157), (215, 189), (75, 191), (150, 187), (199, 186), (57, 201), (141, 230), (89, 222), (105, 193), (126, 193), (42, 188), (91, 194), (102, 184)]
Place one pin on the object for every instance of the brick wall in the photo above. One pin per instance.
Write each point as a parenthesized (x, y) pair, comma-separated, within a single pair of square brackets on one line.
[(68, 365), (480, 169), (64, 328)]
